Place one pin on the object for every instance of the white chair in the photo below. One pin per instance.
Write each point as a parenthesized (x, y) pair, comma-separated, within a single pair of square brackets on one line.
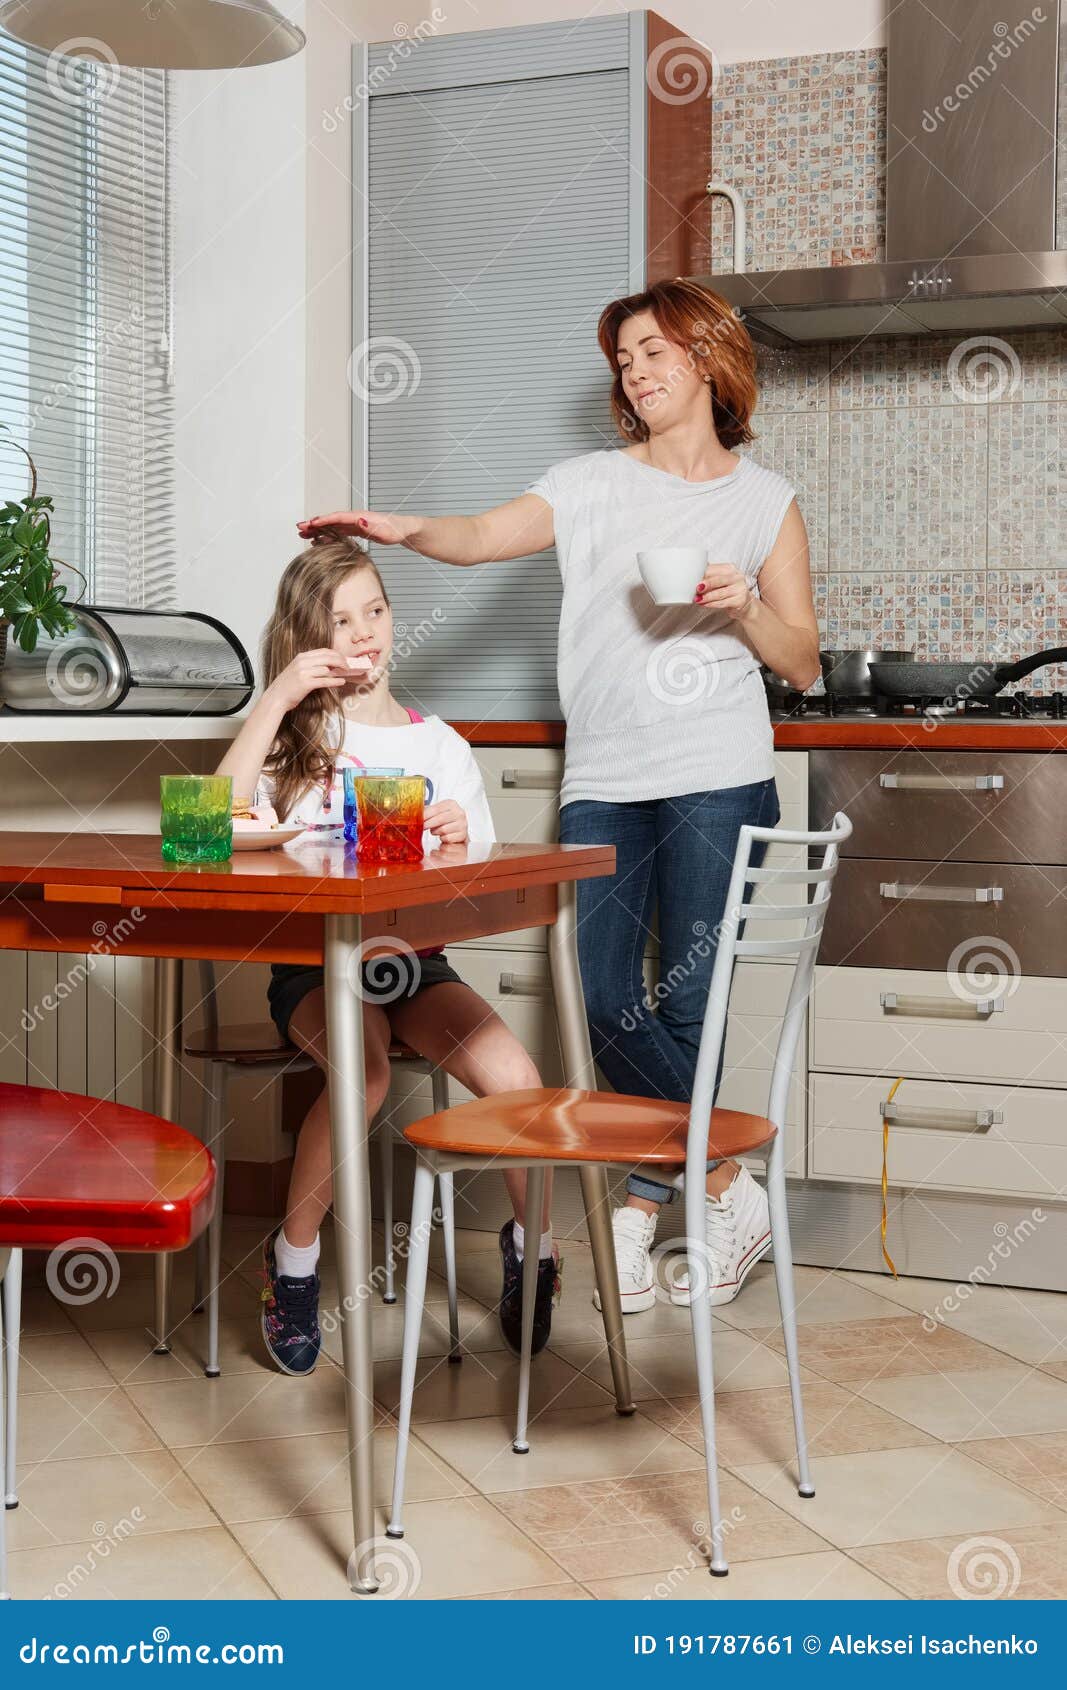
[(543, 1127)]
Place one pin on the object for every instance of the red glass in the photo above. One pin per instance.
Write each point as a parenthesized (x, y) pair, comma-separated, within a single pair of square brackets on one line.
[(390, 818)]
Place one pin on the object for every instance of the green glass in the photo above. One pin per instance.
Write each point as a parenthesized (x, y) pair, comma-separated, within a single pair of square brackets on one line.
[(196, 818)]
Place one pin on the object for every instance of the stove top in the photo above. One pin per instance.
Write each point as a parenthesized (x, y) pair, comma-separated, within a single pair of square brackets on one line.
[(1004, 707)]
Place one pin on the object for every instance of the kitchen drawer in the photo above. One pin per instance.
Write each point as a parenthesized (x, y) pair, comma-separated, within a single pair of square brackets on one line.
[(892, 914), (903, 1021), (971, 806), (947, 1147), (522, 784)]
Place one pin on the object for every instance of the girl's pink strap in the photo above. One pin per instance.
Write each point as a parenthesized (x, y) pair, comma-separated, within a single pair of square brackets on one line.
[(415, 717)]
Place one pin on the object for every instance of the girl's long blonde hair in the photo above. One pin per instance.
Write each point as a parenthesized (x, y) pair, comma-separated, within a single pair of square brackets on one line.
[(309, 737)]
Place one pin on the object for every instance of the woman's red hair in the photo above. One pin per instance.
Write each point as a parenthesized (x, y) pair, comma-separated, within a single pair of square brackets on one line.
[(716, 341)]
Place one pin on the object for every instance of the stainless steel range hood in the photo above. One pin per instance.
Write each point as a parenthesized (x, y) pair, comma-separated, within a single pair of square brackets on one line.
[(971, 190)]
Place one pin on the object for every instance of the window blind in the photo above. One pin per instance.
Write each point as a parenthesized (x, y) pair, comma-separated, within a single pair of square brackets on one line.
[(85, 314)]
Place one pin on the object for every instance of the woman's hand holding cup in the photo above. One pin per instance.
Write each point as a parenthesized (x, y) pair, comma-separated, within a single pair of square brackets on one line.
[(726, 589)]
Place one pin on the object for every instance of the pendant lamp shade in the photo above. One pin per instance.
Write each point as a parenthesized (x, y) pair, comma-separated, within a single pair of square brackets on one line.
[(156, 34)]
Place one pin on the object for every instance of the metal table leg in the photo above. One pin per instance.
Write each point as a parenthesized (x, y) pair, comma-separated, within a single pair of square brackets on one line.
[(166, 1088), (578, 1070), (352, 1227)]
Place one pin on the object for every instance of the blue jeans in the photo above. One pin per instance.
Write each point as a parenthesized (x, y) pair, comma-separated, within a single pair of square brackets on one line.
[(676, 855)]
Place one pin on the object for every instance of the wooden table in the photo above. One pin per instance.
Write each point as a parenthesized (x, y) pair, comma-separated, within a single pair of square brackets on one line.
[(311, 902)]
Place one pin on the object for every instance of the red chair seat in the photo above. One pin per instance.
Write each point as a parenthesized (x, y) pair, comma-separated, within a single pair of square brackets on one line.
[(566, 1125), (73, 1166)]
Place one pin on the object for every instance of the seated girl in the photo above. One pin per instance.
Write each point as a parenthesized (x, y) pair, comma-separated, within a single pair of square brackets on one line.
[(326, 705)]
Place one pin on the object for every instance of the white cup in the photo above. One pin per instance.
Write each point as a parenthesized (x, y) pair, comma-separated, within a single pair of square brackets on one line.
[(671, 573)]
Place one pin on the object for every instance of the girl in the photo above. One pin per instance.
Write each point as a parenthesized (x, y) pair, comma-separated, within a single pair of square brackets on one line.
[(669, 746), (326, 704)]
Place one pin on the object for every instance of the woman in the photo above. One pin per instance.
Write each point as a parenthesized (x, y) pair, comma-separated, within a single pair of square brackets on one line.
[(669, 747)]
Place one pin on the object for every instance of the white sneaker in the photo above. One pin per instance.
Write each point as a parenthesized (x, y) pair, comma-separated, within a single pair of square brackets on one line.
[(737, 1232), (634, 1232)]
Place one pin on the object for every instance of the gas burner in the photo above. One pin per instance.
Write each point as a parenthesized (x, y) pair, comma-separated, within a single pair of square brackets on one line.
[(1012, 706)]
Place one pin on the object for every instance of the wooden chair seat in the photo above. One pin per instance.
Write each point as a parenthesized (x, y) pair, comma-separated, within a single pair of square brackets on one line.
[(260, 1042), (73, 1166), (565, 1125)]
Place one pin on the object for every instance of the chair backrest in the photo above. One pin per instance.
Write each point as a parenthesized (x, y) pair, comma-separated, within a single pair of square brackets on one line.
[(739, 936)]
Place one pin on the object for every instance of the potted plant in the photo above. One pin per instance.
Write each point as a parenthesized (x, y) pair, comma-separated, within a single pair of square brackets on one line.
[(31, 596)]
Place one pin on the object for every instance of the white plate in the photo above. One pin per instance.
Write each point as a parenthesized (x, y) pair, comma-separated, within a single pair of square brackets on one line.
[(245, 839)]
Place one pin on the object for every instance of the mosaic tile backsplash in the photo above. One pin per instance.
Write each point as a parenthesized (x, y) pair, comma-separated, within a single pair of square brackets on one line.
[(930, 471)]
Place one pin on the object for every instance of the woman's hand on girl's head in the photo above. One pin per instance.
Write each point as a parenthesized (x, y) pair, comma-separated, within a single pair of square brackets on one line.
[(447, 821), (365, 525), (311, 671)]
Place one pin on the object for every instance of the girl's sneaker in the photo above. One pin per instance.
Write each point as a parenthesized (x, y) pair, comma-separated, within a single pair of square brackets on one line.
[(510, 1309), (290, 1318)]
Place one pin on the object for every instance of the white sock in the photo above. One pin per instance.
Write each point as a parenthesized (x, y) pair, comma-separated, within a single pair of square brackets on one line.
[(294, 1260), (544, 1248)]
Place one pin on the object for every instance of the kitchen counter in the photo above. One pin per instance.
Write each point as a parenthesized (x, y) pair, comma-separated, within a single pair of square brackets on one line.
[(898, 733)]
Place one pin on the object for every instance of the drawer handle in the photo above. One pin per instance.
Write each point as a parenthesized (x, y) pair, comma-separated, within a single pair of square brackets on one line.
[(523, 985), (944, 1009), (902, 890), (532, 780), (942, 1120), (942, 783)]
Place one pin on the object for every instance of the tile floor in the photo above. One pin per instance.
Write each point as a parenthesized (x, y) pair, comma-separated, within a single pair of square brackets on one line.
[(940, 1449)]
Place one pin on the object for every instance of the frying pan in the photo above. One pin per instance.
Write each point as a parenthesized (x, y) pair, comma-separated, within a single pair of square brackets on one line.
[(980, 679), (849, 672)]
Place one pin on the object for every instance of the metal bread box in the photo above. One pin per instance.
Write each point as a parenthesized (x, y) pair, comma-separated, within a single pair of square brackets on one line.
[(140, 662)]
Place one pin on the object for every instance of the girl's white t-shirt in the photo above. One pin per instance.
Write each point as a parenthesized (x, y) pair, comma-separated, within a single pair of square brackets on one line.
[(428, 747)]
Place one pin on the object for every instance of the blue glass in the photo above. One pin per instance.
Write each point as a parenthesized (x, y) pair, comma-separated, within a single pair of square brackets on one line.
[(350, 776)]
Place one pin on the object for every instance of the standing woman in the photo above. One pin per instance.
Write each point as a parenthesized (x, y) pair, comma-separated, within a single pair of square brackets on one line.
[(669, 749)]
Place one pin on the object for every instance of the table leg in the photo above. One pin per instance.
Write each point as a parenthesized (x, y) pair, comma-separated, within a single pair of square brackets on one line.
[(352, 1227), (166, 1089), (578, 1070)]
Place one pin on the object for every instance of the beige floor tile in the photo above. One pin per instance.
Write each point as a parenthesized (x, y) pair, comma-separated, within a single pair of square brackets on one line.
[(665, 1367), (611, 1528), (1003, 1401), (1030, 1326), (566, 1445), (1025, 1562), (887, 1496), (242, 1406), (827, 1576), (59, 1361), (274, 1477), (540, 1593), (68, 1425), (861, 1351), (754, 1426), (77, 1501), (1038, 1463), (487, 1383), (1058, 1369), (133, 1304), (203, 1564), (41, 1312), (479, 1330), (461, 1547), (129, 1357), (822, 1296)]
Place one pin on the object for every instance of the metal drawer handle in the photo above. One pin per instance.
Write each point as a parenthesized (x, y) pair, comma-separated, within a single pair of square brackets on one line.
[(533, 780), (942, 1120), (900, 890), (942, 783), (945, 1009), (523, 985)]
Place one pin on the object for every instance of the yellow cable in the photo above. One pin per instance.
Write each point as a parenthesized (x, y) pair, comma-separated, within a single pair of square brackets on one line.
[(885, 1176)]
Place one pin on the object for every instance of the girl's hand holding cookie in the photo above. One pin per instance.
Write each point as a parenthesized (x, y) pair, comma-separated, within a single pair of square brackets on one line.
[(311, 671), (447, 821)]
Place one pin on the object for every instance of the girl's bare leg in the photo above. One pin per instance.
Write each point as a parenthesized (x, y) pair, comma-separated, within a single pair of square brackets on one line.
[(455, 1029), (310, 1184)]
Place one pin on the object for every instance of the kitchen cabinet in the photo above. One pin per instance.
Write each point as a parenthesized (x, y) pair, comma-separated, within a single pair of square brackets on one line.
[(508, 184)]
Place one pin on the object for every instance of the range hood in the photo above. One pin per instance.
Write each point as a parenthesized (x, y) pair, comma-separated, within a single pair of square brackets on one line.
[(971, 191)]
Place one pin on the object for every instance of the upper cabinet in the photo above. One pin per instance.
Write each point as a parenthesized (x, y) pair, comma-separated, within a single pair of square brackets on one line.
[(508, 184)]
